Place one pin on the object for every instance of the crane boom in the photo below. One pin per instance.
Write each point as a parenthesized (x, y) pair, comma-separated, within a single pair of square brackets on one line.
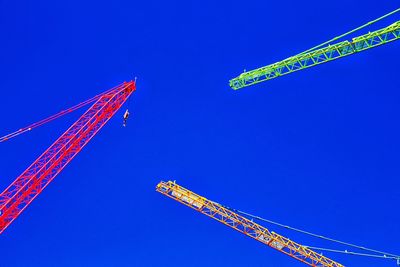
[(244, 225), (16, 197), (316, 57)]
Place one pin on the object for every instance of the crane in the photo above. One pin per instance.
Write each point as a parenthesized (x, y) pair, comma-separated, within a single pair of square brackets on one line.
[(26, 187), (244, 225), (314, 57)]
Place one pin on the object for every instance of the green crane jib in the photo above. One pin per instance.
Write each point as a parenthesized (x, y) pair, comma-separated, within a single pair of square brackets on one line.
[(319, 56)]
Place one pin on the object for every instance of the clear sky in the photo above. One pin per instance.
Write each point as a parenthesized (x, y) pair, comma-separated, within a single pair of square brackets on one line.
[(317, 149)]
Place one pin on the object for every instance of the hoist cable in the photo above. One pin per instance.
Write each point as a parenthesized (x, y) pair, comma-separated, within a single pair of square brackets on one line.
[(53, 117), (350, 32), (312, 234), (353, 253)]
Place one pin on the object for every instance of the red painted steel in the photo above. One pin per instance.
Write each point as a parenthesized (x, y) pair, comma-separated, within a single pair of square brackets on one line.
[(43, 170), (53, 117)]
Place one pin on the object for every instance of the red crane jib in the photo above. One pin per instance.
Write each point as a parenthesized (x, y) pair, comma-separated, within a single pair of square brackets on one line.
[(16, 197)]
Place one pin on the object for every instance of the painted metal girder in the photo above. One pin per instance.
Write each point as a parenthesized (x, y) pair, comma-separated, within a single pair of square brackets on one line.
[(316, 57), (16, 197), (244, 225)]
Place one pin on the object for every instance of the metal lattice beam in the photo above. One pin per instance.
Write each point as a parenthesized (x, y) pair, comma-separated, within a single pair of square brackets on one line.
[(33, 180), (316, 57), (244, 225)]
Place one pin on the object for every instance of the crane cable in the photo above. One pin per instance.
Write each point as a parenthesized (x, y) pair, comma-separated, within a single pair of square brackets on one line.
[(354, 253), (53, 117), (350, 32), (384, 254)]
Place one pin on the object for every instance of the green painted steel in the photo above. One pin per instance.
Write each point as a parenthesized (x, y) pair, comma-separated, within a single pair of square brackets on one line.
[(319, 56)]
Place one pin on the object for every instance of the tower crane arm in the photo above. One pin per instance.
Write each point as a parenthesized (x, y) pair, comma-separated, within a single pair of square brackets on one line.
[(244, 225), (316, 57), (16, 197)]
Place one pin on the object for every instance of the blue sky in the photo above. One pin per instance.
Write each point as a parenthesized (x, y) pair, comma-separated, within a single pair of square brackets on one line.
[(317, 149)]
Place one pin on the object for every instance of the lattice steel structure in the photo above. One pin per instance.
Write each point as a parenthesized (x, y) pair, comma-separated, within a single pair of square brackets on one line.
[(244, 225), (33, 180), (316, 57)]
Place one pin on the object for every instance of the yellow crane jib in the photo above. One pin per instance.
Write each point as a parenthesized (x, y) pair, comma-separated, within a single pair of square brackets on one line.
[(244, 225)]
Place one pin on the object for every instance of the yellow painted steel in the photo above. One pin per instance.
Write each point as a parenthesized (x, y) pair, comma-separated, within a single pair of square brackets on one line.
[(244, 225)]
